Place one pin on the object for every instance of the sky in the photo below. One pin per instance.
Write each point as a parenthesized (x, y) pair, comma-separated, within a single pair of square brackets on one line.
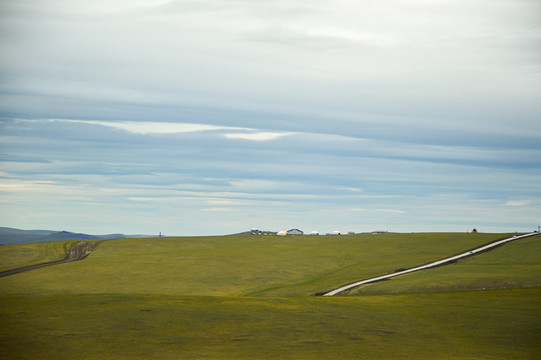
[(210, 117)]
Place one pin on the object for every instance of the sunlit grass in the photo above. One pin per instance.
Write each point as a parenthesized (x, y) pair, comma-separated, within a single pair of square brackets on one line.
[(239, 265), (516, 264), (244, 297), (502, 324), (15, 256)]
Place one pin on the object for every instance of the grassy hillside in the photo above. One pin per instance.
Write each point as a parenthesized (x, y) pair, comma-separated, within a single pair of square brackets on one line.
[(501, 324), (516, 264), (239, 265), (15, 256), (150, 299)]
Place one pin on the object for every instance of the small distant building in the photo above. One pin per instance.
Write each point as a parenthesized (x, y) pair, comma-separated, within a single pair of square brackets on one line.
[(295, 232), (379, 232), (335, 232), (314, 233), (281, 233)]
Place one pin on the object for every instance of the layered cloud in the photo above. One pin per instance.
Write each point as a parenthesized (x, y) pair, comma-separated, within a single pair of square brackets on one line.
[(177, 172), (175, 115), (146, 127), (151, 127)]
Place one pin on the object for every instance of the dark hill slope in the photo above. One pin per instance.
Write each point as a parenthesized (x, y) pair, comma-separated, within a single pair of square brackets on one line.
[(66, 235), (10, 236)]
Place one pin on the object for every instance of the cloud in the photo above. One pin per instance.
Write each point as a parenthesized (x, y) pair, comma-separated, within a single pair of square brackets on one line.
[(151, 127), (337, 34), (352, 189), (391, 211), (517, 202), (282, 111), (153, 3), (258, 136), (226, 202), (151, 199)]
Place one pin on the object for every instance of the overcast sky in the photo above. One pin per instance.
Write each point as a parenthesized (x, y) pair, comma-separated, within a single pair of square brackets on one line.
[(199, 117)]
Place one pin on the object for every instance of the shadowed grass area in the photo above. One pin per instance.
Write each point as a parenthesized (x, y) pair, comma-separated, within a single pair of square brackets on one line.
[(240, 265), (496, 324)]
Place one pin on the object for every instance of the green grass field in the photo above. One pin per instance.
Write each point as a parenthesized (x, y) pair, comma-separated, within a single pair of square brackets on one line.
[(239, 265), (245, 297), (15, 256), (514, 265), (496, 324)]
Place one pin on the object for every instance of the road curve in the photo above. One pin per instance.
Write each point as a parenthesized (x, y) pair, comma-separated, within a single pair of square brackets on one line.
[(77, 252), (448, 260)]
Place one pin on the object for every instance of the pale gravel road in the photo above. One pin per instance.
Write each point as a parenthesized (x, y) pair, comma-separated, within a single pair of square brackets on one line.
[(448, 260)]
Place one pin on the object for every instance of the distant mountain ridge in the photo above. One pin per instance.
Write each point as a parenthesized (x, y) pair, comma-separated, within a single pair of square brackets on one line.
[(10, 236)]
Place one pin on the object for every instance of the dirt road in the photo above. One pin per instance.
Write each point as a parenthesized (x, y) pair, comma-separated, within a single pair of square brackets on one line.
[(77, 252)]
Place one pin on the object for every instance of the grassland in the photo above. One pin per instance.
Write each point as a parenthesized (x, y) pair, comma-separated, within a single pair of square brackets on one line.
[(244, 297), (497, 324), (517, 264), (239, 265), (16, 256)]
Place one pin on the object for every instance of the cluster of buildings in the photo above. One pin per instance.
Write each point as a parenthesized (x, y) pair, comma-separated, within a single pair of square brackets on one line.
[(300, 232)]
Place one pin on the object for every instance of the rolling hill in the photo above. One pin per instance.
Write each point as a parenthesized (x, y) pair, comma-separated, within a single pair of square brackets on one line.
[(10, 236), (245, 297)]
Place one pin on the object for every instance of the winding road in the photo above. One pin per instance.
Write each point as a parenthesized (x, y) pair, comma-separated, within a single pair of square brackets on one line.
[(82, 249), (77, 252), (445, 261)]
